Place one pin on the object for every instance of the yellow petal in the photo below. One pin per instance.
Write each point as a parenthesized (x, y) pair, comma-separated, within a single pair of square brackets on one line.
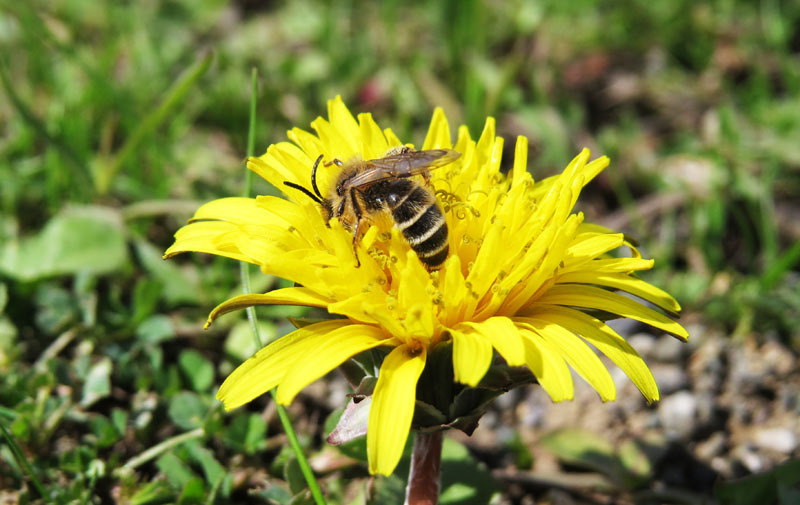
[(438, 136), (286, 296), (286, 162), (548, 366), (308, 142), (464, 143), (233, 209), (323, 355), (472, 356), (623, 282), (486, 142), (391, 138), (334, 143), (343, 122), (577, 164), (393, 408), (607, 341), (204, 237), (531, 261), (414, 294), (544, 273), (454, 291), (612, 265), (587, 172), (266, 368), (503, 335), (520, 161), (369, 308), (591, 297), (594, 167), (486, 265), (589, 246), (373, 142), (576, 353)]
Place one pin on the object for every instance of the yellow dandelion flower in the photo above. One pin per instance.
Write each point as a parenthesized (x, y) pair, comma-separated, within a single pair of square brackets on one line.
[(525, 276)]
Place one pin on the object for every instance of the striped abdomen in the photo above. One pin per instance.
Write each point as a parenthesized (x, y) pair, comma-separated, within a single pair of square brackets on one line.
[(417, 215)]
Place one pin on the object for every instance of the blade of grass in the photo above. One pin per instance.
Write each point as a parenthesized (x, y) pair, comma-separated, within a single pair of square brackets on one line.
[(244, 269), (8, 413), (36, 124), (159, 449), (780, 266), (23, 461), (172, 97), (212, 494)]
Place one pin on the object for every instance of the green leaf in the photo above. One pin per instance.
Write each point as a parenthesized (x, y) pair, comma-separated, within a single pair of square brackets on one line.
[(465, 481), (74, 460), (104, 430), (588, 450), (197, 369), (167, 380), (56, 308), (580, 448), (153, 492), (390, 490), (426, 415), (178, 285), (246, 433), (9, 347), (211, 467), (98, 382), (146, 295), (302, 498), (523, 459), (193, 492), (3, 296), (457, 493), (240, 343), (635, 460), (178, 474), (294, 476), (155, 329), (774, 486), (274, 494), (119, 418), (187, 410), (79, 239)]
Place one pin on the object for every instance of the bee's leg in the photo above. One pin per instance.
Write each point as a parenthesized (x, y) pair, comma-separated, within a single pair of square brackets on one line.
[(426, 176), (335, 161), (357, 211)]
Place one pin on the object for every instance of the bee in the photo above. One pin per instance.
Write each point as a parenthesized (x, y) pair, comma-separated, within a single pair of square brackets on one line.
[(385, 185)]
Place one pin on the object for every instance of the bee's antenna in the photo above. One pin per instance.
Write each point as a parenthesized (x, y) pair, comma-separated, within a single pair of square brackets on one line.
[(304, 190), (318, 197), (314, 177)]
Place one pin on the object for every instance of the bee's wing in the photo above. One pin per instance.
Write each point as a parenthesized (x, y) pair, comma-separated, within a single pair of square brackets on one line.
[(404, 165)]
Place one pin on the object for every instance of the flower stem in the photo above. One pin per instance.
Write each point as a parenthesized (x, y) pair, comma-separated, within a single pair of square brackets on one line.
[(426, 463), (305, 468)]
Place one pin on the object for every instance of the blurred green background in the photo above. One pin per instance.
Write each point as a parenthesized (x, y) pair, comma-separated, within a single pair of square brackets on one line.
[(118, 119)]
